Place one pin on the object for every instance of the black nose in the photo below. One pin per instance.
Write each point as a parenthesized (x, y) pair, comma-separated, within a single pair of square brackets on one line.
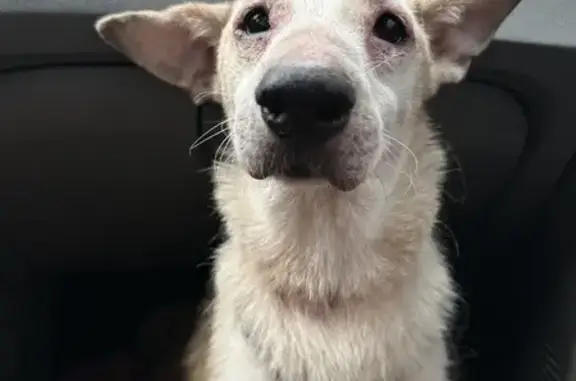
[(307, 102)]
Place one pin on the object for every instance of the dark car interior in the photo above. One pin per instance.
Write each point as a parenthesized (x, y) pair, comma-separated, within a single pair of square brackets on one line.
[(107, 223)]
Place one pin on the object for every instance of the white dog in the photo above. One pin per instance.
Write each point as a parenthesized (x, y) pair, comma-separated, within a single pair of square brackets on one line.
[(330, 187)]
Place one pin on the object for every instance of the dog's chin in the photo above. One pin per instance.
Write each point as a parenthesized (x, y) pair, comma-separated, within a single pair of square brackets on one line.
[(302, 177)]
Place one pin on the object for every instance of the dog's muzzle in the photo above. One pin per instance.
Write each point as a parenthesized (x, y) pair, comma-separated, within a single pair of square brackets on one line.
[(305, 108)]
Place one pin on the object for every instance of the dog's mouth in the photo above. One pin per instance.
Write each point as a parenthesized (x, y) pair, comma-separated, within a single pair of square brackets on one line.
[(298, 172), (297, 165), (314, 168)]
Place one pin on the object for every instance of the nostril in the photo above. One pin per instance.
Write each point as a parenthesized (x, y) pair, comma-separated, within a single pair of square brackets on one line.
[(271, 100), (274, 116), (335, 108), (278, 121)]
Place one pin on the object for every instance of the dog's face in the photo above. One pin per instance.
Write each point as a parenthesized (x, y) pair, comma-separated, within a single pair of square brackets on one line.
[(313, 89), (316, 88)]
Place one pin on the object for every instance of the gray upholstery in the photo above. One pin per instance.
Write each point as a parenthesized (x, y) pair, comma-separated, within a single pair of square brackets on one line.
[(103, 149)]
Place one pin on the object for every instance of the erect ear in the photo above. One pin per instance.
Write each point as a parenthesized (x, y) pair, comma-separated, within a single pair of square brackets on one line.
[(459, 30), (177, 44)]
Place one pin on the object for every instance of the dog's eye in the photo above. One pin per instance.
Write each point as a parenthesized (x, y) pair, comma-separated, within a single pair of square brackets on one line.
[(390, 28), (256, 21)]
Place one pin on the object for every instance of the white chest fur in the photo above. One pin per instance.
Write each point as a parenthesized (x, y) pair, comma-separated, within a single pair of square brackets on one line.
[(388, 336)]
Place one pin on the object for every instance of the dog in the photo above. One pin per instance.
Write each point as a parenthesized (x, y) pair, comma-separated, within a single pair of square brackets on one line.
[(329, 180)]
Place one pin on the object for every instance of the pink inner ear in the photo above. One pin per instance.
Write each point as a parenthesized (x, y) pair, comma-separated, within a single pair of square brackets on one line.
[(163, 48), (472, 31), (176, 44), (458, 45)]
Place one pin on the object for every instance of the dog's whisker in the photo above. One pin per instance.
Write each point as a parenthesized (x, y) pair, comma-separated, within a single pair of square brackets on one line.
[(411, 182), (406, 148), (202, 96), (409, 175), (223, 127), (220, 161), (378, 65), (223, 149), (457, 169), (206, 139), (208, 135), (452, 237)]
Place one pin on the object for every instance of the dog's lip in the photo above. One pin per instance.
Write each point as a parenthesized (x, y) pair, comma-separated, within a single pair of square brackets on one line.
[(258, 175), (343, 185), (297, 171), (297, 164), (300, 174)]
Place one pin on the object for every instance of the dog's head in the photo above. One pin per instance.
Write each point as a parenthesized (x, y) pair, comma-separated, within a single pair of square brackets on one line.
[(313, 89)]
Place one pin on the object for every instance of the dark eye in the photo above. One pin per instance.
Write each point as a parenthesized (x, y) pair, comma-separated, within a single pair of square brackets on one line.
[(390, 28), (256, 21)]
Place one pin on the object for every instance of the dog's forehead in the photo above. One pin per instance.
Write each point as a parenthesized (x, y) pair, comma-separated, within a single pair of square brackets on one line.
[(332, 7)]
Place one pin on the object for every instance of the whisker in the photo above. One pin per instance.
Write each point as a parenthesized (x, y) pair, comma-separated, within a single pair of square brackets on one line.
[(205, 95), (223, 126), (378, 65), (452, 237), (198, 143), (409, 176), (223, 148), (217, 159), (405, 147)]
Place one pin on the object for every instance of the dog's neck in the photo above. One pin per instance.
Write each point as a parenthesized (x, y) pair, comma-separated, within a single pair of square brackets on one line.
[(314, 246)]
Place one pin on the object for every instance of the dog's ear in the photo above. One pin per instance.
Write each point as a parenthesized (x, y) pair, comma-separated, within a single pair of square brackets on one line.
[(178, 44), (459, 30)]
